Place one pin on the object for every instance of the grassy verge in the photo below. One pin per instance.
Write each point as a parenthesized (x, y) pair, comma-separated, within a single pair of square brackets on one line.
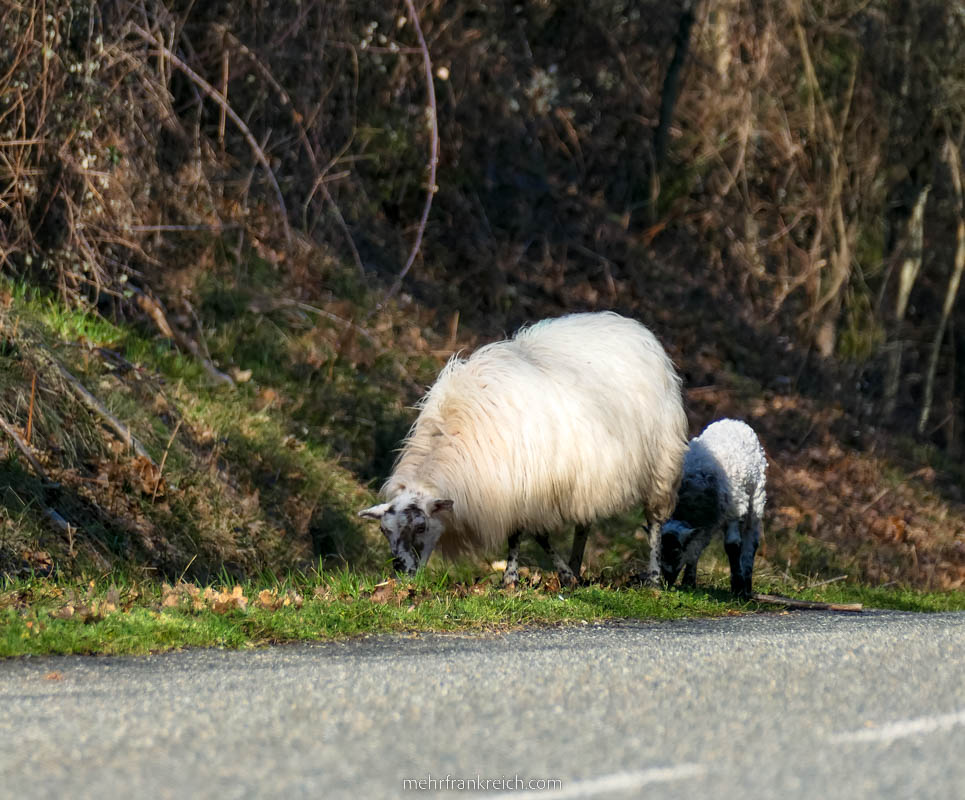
[(252, 477), (265, 477), (122, 616)]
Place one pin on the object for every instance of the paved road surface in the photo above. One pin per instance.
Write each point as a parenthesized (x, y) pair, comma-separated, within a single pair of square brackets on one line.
[(807, 705)]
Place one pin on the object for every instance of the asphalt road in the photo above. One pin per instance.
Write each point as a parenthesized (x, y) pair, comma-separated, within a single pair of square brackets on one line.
[(805, 705)]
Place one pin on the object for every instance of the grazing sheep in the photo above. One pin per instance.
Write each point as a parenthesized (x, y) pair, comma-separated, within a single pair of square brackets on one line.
[(723, 488), (571, 420)]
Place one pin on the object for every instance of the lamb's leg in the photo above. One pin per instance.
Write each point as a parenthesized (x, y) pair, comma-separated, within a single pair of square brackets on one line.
[(567, 578), (511, 573), (750, 537), (579, 546), (691, 555), (733, 545)]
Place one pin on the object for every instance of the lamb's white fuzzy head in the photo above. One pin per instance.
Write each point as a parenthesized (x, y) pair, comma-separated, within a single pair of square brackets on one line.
[(674, 537), (412, 522)]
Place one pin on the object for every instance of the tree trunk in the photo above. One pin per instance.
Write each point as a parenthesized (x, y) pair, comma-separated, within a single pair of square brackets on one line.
[(669, 95), (950, 293), (953, 158), (910, 267)]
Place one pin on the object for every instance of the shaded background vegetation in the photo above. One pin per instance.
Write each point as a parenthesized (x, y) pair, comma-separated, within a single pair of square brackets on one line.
[(775, 188)]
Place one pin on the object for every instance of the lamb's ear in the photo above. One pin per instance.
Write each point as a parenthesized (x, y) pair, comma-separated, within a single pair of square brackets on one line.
[(437, 505), (375, 512)]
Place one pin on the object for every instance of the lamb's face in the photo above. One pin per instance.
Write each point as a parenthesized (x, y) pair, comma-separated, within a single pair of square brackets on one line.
[(674, 536), (412, 524)]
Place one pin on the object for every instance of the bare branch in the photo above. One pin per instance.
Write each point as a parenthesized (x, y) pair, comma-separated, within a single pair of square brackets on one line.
[(218, 98), (24, 449), (433, 154), (286, 102), (154, 310), (805, 605), (264, 306)]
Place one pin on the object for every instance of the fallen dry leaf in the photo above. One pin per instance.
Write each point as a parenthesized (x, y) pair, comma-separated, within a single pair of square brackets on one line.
[(271, 600), (268, 598), (384, 592), (148, 475), (222, 602), (53, 676), (323, 593)]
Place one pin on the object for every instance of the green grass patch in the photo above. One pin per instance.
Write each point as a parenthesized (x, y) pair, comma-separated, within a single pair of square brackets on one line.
[(256, 476), (121, 615)]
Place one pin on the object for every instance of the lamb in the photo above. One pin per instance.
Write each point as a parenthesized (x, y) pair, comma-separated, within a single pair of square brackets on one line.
[(723, 488), (573, 419)]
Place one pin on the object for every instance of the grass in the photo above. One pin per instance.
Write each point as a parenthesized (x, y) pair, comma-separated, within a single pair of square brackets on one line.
[(263, 479), (120, 615), (249, 482)]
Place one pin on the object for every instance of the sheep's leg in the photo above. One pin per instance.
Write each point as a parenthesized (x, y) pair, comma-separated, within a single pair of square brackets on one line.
[(689, 579), (652, 578), (562, 568), (511, 573), (579, 546)]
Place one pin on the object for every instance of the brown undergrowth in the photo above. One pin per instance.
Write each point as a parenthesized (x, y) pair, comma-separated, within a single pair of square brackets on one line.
[(204, 205)]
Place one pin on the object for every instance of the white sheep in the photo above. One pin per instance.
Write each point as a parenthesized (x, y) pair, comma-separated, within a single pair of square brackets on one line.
[(571, 420), (723, 488)]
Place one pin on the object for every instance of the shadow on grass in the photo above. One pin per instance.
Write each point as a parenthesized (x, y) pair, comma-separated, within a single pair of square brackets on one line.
[(47, 526)]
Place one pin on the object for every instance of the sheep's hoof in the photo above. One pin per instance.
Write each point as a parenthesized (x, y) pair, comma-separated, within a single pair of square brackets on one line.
[(510, 580), (649, 579), (568, 579)]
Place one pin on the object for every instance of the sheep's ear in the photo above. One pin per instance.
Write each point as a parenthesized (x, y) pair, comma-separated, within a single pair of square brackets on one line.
[(375, 512), (437, 505)]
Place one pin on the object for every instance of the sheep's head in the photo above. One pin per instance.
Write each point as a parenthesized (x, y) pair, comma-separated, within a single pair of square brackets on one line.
[(674, 536), (412, 523)]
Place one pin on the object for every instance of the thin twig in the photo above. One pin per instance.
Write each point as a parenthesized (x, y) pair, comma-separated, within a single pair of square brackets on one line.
[(181, 228), (100, 409), (118, 360), (805, 605), (264, 306), (825, 583), (218, 98), (343, 226), (23, 448), (286, 101), (181, 576), (62, 525), (164, 458), (30, 410), (154, 310), (867, 506), (433, 154)]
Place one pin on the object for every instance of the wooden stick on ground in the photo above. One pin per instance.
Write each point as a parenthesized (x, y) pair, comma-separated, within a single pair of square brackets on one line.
[(164, 458), (23, 448), (153, 309), (50, 514), (805, 605), (100, 409)]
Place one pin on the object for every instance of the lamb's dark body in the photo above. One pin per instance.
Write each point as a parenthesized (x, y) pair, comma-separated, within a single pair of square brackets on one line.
[(722, 489)]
